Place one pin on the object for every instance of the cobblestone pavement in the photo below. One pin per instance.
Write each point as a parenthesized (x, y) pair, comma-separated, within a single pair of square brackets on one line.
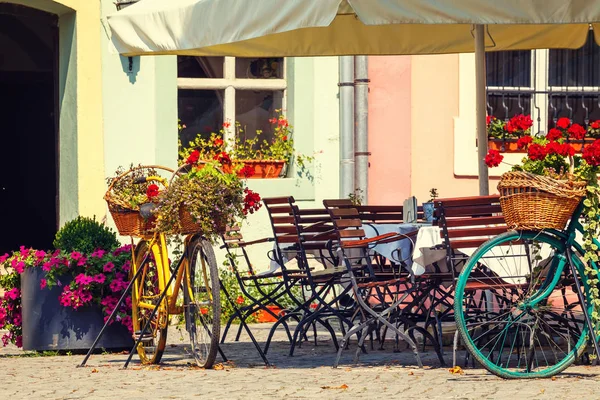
[(307, 375)]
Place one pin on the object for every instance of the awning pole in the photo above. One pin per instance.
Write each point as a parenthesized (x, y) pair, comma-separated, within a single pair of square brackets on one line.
[(481, 104)]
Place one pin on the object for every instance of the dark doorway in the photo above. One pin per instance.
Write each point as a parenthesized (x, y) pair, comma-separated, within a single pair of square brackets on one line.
[(28, 127)]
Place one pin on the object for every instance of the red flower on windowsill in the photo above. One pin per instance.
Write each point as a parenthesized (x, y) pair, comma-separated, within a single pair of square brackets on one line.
[(524, 141)]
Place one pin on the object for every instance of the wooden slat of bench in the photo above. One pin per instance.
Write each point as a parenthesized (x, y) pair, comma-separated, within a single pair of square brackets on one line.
[(280, 210), (476, 232), (479, 210), (475, 221), (338, 203), (468, 201)]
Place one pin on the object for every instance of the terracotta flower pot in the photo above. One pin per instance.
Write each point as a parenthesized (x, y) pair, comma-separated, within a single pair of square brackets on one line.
[(510, 145), (263, 169), (505, 146), (263, 316)]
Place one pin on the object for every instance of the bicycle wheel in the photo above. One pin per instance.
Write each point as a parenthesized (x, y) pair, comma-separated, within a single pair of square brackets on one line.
[(144, 297), (202, 302), (509, 315)]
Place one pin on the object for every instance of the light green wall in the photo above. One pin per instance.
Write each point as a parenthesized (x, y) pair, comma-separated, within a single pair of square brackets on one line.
[(314, 112)]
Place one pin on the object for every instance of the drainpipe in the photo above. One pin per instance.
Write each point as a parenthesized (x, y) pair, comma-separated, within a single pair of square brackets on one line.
[(361, 135), (346, 85)]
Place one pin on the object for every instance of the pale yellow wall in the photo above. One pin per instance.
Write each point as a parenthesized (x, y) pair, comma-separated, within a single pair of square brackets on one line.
[(444, 152), (81, 165)]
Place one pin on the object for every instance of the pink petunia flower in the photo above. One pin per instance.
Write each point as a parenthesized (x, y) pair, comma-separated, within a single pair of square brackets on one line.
[(43, 283)]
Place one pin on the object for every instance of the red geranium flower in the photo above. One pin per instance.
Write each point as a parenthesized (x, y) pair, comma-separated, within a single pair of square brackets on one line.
[(218, 142), (554, 134), (273, 120), (247, 171), (284, 138), (595, 125), (563, 123), (520, 122), (193, 158), (577, 131), (489, 119), (240, 300), (152, 191), (524, 141), (493, 158), (251, 201), (226, 125), (536, 152), (591, 153), (223, 158)]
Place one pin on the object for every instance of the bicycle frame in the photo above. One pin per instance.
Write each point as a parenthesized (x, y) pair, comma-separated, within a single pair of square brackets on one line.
[(158, 247)]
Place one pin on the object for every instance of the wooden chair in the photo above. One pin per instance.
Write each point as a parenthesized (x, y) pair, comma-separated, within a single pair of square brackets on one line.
[(304, 235), (379, 299), (465, 223)]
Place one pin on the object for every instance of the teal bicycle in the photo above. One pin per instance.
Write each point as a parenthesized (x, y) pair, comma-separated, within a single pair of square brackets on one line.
[(523, 302)]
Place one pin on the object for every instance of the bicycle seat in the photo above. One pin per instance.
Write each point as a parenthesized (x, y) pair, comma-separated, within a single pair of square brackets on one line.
[(146, 210)]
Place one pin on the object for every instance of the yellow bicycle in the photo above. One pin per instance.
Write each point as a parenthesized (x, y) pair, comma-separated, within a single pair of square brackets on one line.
[(155, 295)]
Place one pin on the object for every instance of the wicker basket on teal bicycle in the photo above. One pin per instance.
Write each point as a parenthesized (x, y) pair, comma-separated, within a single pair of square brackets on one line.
[(126, 192), (535, 202)]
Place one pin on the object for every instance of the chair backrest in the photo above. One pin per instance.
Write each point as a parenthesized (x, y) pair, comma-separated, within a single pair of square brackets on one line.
[(282, 220), (346, 220), (375, 214), (467, 222)]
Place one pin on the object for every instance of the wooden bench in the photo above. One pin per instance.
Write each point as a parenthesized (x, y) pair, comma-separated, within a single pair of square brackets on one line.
[(467, 222)]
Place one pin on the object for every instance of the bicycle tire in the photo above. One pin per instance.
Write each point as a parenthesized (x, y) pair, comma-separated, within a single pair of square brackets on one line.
[(202, 301), (565, 331), (147, 289)]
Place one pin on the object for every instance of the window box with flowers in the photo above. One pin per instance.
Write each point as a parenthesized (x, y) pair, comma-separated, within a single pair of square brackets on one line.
[(248, 157), (509, 136)]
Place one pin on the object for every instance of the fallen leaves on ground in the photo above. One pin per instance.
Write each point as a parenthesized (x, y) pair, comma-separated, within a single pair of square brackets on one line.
[(456, 370), (341, 387), (94, 370)]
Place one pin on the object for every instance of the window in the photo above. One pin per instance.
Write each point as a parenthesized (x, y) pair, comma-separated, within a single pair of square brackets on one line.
[(548, 84), (214, 90)]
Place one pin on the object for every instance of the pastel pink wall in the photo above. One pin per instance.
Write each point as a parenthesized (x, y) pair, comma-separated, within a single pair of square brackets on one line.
[(389, 129)]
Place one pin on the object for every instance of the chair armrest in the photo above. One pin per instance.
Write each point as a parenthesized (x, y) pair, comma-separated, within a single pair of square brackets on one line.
[(257, 241), (385, 238)]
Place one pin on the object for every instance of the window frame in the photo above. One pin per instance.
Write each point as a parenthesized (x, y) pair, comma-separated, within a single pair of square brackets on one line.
[(230, 84)]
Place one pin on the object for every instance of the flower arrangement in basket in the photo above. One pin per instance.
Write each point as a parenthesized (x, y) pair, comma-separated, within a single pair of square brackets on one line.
[(203, 198), (127, 192), (546, 188)]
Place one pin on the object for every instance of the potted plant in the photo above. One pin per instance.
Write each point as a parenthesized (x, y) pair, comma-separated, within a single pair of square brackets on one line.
[(429, 206), (509, 136), (249, 157), (60, 299)]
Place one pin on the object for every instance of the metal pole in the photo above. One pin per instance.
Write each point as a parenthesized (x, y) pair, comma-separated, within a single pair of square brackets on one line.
[(346, 85), (480, 98), (361, 117)]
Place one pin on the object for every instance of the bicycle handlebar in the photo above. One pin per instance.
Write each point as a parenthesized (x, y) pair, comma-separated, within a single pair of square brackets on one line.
[(144, 179)]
